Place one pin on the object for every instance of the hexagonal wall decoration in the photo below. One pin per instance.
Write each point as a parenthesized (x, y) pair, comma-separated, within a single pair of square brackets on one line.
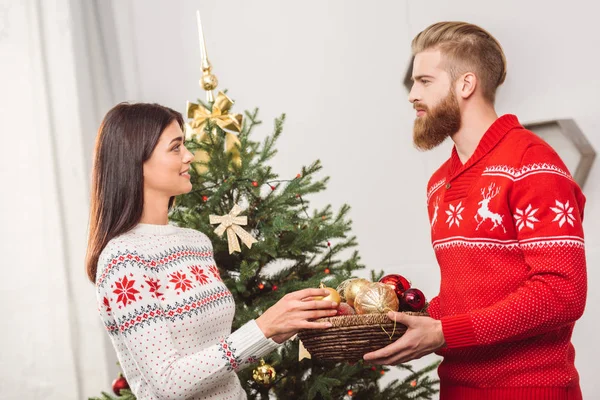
[(564, 135)]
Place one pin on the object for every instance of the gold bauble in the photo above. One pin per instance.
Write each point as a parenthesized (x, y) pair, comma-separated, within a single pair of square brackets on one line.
[(209, 82), (376, 298), (264, 373), (332, 296), (342, 288), (353, 288)]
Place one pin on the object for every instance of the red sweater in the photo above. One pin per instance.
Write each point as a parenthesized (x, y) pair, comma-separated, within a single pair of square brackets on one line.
[(506, 231)]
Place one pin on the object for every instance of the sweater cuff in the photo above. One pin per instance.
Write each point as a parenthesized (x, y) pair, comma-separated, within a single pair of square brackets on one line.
[(433, 310), (250, 343), (458, 331)]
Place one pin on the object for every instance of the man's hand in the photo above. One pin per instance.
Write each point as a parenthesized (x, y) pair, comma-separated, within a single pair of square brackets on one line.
[(423, 336)]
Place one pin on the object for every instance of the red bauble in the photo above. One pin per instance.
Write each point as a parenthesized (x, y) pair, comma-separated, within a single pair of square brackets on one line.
[(119, 383), (412, 300), (397, 282), (345, 309)]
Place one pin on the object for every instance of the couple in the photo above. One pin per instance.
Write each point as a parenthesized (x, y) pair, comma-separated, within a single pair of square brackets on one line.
[(505, 220)]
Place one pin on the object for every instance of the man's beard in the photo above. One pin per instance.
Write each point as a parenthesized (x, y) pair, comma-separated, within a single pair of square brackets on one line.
[(437, 124)]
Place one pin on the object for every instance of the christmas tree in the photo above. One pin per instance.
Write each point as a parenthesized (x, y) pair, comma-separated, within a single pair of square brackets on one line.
[(286, 246), (301, 247)]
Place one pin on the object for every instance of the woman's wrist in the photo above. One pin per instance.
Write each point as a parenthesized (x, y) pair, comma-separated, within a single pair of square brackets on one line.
[(264, 327)]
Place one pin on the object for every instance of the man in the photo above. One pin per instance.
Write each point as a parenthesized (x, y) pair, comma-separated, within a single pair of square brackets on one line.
[(506, 229)]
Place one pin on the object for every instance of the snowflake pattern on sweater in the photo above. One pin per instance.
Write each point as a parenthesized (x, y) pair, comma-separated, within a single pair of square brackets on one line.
[(513, 271), (169, 315)]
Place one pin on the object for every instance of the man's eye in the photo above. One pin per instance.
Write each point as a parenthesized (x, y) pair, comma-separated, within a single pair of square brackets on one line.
[(425, 81)]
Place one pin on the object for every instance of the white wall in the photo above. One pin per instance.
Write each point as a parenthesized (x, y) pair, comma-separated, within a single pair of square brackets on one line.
[(335, 67)]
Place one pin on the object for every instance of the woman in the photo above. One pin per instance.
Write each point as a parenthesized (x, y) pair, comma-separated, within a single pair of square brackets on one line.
[(160, 296)]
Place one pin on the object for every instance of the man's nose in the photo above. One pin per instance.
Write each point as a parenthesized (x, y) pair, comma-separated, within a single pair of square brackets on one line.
[(413, 95)]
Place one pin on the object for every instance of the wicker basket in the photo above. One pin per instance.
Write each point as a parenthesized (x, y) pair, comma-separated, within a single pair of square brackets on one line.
[(351, 336)]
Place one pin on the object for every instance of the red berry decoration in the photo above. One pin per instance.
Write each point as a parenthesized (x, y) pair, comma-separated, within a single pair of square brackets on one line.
[(254, 183), (399, 283), (412, 300), (119, 383)]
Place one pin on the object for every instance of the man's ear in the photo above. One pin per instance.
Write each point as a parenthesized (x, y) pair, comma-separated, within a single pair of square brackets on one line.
[(466, 85)]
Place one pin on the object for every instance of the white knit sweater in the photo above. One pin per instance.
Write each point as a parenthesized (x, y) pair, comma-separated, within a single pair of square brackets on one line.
[(169, 316)]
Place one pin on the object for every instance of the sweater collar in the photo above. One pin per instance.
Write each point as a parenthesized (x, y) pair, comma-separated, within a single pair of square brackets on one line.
[(490, 139), (153, 229)]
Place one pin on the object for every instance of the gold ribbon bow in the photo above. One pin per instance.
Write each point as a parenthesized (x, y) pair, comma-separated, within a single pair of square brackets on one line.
[(220, 116), (230, 223)]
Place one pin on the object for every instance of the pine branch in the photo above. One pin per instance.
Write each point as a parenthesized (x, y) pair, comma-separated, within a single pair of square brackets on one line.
[(126, 394)]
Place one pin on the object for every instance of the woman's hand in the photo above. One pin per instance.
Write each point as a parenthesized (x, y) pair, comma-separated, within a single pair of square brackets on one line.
[(295, 311)]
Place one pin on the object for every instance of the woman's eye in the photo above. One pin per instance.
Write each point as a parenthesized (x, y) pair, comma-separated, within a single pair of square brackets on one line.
[(176, 148)]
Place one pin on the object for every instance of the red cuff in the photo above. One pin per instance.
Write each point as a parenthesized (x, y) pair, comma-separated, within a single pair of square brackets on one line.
[(434, 309), (458, 331)]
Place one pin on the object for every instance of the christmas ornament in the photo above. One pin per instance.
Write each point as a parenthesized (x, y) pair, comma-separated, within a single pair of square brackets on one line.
[(376, 298), (219, 115), (397, 282), (196, 129), (264, 373), (230, 223), (412, 300), (208, 81), (119, 383), (332, 296), (342, 288), (345, 309), (352, 289)]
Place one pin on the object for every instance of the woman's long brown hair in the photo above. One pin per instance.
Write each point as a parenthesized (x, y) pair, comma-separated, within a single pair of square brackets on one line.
[(126, 138)]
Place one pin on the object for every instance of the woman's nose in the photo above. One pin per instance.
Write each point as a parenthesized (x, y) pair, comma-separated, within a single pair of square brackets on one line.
[(188, 156)]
